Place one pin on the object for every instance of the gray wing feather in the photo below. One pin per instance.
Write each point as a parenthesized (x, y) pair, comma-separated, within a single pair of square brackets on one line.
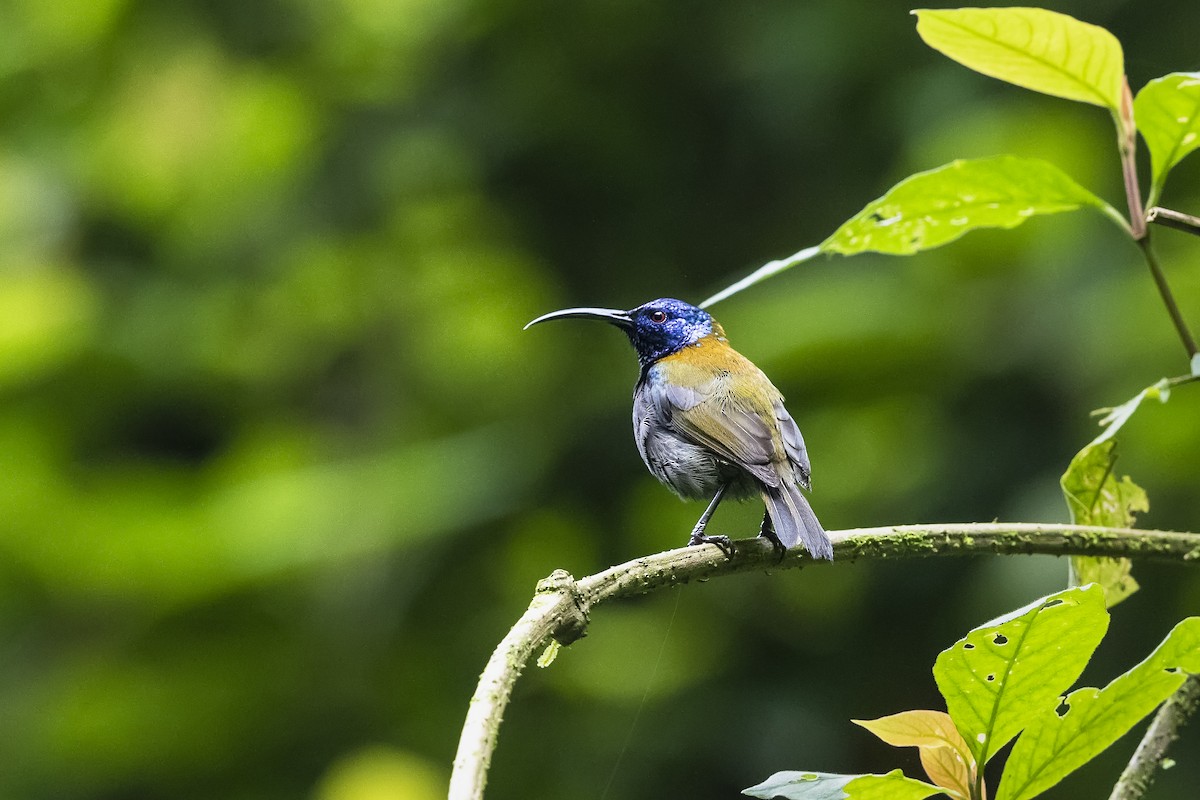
[(683, 398), (793, 444)]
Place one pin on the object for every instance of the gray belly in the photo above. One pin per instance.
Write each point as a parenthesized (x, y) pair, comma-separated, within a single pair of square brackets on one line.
[(690, 470)]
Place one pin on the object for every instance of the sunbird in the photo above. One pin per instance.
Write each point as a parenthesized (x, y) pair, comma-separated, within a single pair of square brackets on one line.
[(708, 423)]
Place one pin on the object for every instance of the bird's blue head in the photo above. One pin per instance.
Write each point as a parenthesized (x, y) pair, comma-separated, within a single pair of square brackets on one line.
[(665, 326), (656, 329)]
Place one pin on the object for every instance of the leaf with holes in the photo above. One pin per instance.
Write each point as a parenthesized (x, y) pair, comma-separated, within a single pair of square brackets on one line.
[(1002, 674), (1065, 736), (1096, 497), (933, 208), (944, 755), (1167, 111), (793, 785), (1040, 50)]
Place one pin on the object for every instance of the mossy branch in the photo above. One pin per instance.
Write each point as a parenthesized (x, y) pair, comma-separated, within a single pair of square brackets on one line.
[(561, 606), (1148, 759)]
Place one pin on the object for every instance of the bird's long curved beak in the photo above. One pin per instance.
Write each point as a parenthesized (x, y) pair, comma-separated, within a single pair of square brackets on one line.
[(612, 316)]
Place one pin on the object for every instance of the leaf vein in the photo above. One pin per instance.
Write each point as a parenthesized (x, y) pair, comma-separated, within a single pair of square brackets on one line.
[(995, 39)]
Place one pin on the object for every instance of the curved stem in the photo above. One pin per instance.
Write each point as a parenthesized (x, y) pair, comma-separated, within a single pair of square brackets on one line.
[(1137, 219), (1160, 280), (1118, 219), (762, 273), (1180, 380), (1127, 145), (560, 607)]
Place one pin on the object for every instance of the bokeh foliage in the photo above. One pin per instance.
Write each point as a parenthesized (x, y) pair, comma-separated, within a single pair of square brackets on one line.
[(278, 466)]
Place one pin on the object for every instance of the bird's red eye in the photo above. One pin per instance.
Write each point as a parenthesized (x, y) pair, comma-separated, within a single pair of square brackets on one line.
[(658, 317)]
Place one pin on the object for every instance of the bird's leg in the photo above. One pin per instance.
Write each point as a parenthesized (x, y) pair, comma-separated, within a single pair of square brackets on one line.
[(722, 542), (767, 531)]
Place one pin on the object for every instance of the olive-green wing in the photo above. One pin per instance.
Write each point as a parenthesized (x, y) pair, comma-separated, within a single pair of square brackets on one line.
[(711, 415)]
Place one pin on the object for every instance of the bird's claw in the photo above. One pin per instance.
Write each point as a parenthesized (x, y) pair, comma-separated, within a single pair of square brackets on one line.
[(768, 533), (723, 543)]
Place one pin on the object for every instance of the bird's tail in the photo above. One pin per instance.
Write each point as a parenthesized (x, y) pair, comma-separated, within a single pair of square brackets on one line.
[(794, 520)]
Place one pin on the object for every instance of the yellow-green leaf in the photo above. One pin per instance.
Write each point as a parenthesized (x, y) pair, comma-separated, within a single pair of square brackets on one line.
[(1114, 574), (1167, 111), (936, 207), (1095, 496), (1040, 50), (915, 729), (1002, 674), (944, 755), (946, 769), (932, 208), (1066, 735)]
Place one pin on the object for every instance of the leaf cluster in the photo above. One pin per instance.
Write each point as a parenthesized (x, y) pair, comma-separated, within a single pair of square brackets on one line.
[(1009, 679), (1006, 680)]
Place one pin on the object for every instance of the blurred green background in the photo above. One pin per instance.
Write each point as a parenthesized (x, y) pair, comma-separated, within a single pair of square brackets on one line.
[(278, 466)]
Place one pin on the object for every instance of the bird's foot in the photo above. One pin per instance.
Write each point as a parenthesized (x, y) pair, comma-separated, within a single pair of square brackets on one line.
[(723, 543), (767, 532)]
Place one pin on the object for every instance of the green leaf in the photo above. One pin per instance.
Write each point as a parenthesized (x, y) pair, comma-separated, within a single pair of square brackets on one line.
[(1041, 50), (1115, 575), (1093, 493), (1002, 674), (932, 208), (1167, 111), (936, 207), (793, 785), (1065, 736), (944, 755), (1095, 496)]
